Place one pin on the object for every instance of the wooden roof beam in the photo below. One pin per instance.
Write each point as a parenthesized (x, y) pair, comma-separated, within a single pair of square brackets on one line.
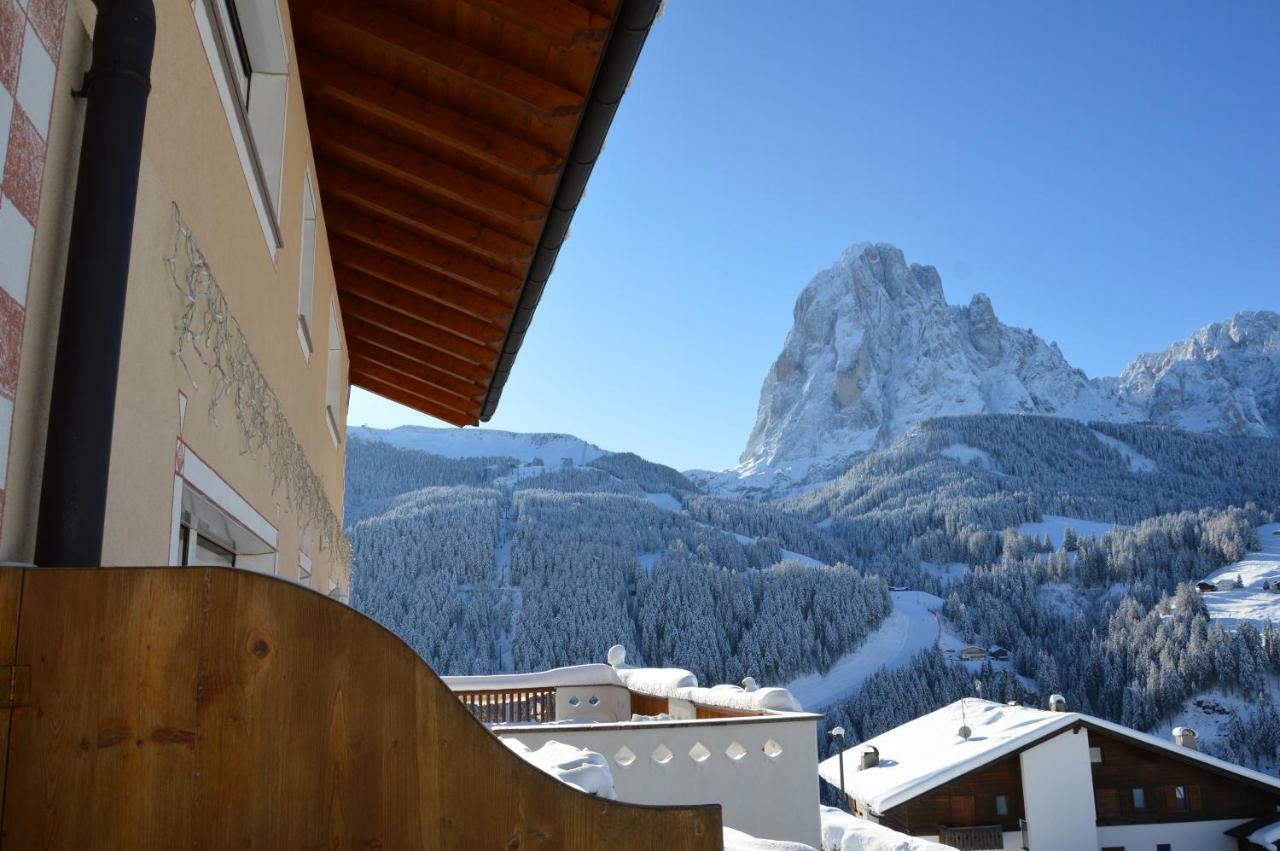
[(404, 164), (350, 254), (378, 97), (412, 42), (559, 20), (448, 319), (353, 304), (465, 393), (409, 384), (442, 362), (345, 219), (420, 214), (427, 405)]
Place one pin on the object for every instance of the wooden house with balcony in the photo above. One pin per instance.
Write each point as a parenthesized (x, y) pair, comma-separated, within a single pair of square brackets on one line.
[(218, 216), (984, 775)]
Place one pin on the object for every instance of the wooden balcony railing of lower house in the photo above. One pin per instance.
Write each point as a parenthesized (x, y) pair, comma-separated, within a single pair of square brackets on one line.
[(207, 708), (511, 705), (985, 837)]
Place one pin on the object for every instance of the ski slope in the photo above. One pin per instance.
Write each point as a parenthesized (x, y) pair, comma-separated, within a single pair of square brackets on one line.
[(1249, 603), (1055, 527), (914, 625)]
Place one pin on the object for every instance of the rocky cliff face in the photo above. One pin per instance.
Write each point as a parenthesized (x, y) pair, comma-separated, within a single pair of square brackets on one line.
[(1223, 379), (876, 348)]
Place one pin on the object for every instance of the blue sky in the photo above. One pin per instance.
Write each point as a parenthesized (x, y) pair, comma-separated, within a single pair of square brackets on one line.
[(1109, 173)]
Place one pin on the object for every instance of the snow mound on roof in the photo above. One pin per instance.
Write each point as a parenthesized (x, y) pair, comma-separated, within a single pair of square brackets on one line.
[(656, 682), (573, 675), (736, 840), (843, 832), (1267, 837), (582, 769)]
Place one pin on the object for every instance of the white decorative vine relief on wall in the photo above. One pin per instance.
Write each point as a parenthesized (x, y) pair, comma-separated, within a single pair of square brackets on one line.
[(209, 334)]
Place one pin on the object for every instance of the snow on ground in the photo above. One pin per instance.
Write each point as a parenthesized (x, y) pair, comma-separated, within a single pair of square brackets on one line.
[(912, 626), (736, 840), (946, 573), (1055, 526), (582, 769), (1138, 463), (1208, 713), (1229, 607), (551, 449), (970, 455), (807, 561), (649, 561), (665, 500), (844, 832)]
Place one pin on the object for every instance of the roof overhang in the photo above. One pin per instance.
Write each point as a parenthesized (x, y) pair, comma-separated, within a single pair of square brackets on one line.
[(453, 140)]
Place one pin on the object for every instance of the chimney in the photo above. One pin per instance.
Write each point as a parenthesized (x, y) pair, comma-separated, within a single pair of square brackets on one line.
[(1057, 703), (1185, 737), (869, 758)]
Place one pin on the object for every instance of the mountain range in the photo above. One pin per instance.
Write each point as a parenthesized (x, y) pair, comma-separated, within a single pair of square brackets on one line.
[(875, 348)]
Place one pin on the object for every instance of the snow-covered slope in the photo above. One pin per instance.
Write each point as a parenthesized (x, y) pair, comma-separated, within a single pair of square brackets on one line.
[(550, 449), (1257, 600), (875, 348)]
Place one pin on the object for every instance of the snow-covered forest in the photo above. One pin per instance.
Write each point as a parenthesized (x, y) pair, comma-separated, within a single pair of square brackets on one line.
[(490, 564)]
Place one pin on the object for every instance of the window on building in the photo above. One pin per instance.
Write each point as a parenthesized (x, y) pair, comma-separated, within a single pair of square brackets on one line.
[(1139, 799), (1164, 846), (334, 395), (307, 269), (211, 537), (304, 566), (1002, 805), (1179, 800), (244, 40), (1095, 754)]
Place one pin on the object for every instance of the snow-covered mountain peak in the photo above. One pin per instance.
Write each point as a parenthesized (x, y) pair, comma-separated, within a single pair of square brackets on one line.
[(875, 348)]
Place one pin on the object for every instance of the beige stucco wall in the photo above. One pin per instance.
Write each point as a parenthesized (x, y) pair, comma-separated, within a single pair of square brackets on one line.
[(189, 159)]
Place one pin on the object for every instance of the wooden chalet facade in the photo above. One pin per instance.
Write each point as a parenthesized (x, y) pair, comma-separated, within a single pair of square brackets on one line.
[(1026, 778)]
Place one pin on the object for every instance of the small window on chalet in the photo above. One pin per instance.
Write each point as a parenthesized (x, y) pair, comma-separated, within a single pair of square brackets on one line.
[(1164, 846), (1095, 755), (1180, 803), (307, 270), (1002, 805), (245, 44), (1107, 801), (1139, 799)]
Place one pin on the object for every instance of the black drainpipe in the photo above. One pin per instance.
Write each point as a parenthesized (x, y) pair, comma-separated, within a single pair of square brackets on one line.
[(77, 455)]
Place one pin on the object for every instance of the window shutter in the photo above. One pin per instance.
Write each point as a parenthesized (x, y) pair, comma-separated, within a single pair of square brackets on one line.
[(1170, 799), (1193, 797)]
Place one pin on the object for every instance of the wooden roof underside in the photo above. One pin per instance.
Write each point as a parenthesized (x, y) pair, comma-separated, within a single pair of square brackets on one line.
[(441, 130)]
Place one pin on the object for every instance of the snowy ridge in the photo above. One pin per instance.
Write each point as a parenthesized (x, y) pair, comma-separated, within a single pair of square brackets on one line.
[(551, 449)]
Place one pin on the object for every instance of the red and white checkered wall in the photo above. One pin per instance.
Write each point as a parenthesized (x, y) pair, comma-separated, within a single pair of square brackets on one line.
[(30, 40)]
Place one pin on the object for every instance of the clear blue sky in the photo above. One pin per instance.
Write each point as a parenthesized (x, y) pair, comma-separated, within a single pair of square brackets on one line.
[(1109, 173)]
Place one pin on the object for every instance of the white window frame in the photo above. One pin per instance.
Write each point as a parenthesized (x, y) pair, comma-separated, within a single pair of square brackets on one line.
[(198, 477), (307, 270), (304, 567), (256, 104)]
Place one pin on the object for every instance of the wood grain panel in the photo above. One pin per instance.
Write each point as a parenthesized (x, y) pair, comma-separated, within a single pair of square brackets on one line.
[(213, 708), (966, 801)]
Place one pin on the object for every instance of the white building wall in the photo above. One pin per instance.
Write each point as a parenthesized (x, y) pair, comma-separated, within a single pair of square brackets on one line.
[(1183, 836), (770, 797), (1057, 793)]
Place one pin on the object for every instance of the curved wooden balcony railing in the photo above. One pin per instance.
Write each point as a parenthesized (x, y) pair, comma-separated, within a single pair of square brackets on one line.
[(150, 708)]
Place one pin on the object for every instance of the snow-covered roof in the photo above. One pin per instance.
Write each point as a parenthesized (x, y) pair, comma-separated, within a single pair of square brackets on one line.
[(656, 682), (578, 767), (844, 832), (928, 752), (1267, 836)]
